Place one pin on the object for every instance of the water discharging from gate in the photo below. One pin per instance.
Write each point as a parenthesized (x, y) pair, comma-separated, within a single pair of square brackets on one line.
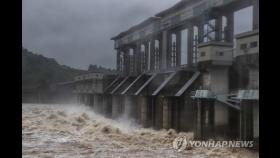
[(76, 131)]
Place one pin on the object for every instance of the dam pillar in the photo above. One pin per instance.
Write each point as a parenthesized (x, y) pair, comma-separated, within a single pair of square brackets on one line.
[(190, 45), (158, 112), (229, 29), (114, 106), (164, 49), (95, 103), (144, 111), (91, 100), (128, 105), (131, 109), (97, 99), (166, 114), (117, 106), (78, 99), (186, 113), (107, 105), (219, 28), (255, 14), (200, 28)]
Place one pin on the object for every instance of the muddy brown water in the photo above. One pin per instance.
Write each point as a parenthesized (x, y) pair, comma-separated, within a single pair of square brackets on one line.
[(75, 131)]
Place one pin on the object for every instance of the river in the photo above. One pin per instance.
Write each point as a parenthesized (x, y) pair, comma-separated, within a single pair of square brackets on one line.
[(75, 131)]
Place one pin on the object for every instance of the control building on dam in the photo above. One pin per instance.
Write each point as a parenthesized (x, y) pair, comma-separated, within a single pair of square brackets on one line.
[(184, 69)]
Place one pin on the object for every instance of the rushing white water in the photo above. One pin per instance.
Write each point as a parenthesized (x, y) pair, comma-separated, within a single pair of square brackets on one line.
[(66, 131)]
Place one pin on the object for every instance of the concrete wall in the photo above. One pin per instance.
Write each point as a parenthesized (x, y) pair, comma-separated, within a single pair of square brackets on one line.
[(164, 50), (132, 108), (247, 120), (158, 115), (205, 119), (97, 86), (221, 114), (198, 127), (219, 80), (253, 79), (212, 53), (177, 113), (107, 105), (144, 111), (221, 119), (216, 80), (98, 103), (256, 121), (247, 40), (187, 113), (117, 106), (206, 80), (166, 113)]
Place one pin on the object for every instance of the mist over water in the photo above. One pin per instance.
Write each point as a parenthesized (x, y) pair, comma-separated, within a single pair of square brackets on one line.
[(71, 130)]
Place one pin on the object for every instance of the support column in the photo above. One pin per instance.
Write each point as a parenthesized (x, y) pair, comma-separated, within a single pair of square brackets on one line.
[(190, 45), (146, 55), (198, 133), (229, 29), (107, 105), (219, 80), (86, 99), (81, 99), (219, 28), (131, 110), (91, 100), (97, 99), (144, 111), (164, 46), (78, 98), (118, 60), (255, 14), (126, 61), (95, 103), (166, 114), (169, 49), (178, 48), (158, 113), (200, 32), (136, 57), (175, 109), (128, 103), (246, 121), (115, 107), (152, 59)]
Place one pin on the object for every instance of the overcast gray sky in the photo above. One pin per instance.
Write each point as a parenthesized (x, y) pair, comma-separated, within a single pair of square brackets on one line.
[(77, 32)]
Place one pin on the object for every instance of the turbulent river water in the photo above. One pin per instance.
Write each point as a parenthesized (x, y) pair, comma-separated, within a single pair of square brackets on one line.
[(75, 131)]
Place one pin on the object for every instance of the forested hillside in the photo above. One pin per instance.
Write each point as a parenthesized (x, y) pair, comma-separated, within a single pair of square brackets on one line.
[(38, 70)]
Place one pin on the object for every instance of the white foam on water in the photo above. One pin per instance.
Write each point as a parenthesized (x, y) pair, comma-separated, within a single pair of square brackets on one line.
[(72, 130)]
